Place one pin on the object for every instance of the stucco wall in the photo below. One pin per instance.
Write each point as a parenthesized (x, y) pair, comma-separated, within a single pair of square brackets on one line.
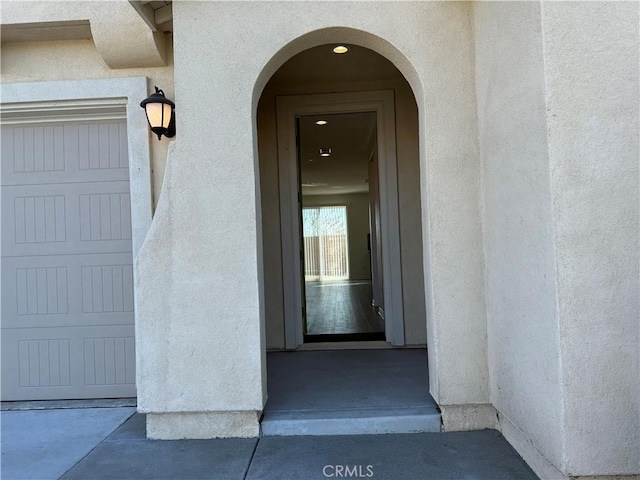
[(557, 107), (200, 334), (370, 75), (522, 323), (114, 27), (357, 228), (593, 102), (79, 60), (558, 126)]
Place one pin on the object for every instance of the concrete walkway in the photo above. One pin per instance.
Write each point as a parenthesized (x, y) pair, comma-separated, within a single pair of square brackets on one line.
[(94, 443), (46, 443)]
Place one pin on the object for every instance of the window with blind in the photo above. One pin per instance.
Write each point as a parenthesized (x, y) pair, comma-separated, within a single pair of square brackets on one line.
[(326, 252)]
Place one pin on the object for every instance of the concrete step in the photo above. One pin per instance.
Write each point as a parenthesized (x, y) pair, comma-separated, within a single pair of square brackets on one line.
[(351, 422)]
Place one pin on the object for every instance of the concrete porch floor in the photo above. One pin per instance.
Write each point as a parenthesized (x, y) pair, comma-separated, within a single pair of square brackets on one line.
[(325, 398), (94, 443), (349, 392)]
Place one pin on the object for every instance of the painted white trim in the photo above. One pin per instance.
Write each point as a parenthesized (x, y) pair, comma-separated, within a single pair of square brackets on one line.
[(39, 101), (288, 107), (63, 111)]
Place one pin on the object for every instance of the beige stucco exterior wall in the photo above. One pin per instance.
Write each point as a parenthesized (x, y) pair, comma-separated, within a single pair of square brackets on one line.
[(80, 60), (113, 25), (544, 157), (200, 338), (522, 319), (593, 102), (558, 126)]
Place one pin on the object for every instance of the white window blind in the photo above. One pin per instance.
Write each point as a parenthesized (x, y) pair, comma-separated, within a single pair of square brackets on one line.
[(326, 252)]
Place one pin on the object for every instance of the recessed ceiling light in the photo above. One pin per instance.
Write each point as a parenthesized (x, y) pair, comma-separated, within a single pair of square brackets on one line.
[(325, 152), (321, 122), (340, 49)]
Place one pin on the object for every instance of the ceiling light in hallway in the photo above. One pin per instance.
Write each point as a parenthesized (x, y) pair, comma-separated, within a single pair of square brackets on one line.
[(340, 49)]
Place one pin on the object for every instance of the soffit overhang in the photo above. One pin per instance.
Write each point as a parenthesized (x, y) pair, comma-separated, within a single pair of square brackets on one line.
[(122, 36), (157, 14)]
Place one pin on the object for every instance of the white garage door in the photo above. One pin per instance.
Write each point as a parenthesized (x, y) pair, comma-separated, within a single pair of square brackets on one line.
[(67, 279)]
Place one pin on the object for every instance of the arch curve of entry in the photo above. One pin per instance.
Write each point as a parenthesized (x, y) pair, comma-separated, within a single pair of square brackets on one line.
[(346, 35)]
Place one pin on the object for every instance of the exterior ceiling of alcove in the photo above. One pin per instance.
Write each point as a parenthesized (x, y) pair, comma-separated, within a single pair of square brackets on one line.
[(318, 70)]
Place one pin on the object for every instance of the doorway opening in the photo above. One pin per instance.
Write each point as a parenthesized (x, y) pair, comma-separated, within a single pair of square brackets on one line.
[(342, 220), (336, 153), (364, 133), (367, 97)]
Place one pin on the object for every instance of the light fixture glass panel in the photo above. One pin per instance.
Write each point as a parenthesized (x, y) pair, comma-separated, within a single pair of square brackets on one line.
[(158, 114)]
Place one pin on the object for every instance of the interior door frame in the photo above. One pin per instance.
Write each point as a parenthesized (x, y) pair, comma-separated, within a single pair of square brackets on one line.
[(288, 108)]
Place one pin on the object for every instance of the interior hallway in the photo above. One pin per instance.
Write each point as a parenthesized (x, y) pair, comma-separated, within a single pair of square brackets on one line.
[(340, 307)]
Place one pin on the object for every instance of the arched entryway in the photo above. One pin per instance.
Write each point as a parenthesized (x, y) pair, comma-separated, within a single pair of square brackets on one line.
[(338, 138), (201, 287), (318, 82)]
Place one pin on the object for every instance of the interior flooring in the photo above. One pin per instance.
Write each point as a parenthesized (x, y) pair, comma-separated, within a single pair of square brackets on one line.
[(341, 307)]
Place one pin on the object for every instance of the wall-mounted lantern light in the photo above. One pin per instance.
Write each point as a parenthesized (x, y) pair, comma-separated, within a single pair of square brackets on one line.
[(160, 114)]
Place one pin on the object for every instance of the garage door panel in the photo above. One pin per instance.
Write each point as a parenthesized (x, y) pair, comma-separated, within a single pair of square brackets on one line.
[(66, 219), (65, 153), (67, 268), (74, 362), (67, 290)]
